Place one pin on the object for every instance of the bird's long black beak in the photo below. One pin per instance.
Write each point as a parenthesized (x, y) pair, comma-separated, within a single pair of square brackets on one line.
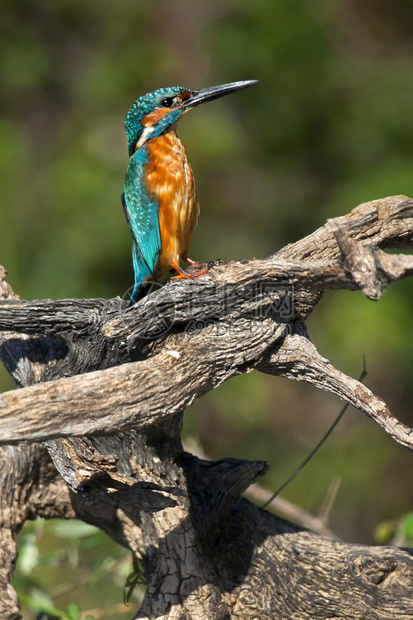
[(214, 92)]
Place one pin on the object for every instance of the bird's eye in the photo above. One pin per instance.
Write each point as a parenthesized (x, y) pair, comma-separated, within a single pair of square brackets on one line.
[(167, 102)]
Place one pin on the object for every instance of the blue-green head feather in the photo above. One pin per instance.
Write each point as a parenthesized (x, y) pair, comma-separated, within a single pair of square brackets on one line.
[(140, 126)]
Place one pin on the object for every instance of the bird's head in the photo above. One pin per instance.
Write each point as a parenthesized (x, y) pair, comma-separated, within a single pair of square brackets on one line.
[(155, 113)]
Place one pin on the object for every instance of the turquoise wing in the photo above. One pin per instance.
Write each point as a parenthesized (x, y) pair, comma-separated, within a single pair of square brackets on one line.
[(143, 219)]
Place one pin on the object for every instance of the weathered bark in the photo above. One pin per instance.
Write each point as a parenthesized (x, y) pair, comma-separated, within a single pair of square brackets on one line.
[(105, 387)]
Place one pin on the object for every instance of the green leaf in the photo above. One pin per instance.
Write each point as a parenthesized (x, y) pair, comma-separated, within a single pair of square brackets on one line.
[(128, 590), (73, 611), (28, 554), (136, 577), (384, 532), (72, 529), (37, 603), (407, 526)]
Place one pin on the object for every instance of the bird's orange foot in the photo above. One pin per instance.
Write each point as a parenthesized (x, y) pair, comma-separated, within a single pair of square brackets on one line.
[(184, 275), (189, 261)]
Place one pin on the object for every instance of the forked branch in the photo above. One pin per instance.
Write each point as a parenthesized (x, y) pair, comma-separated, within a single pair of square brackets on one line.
[(196, 334)]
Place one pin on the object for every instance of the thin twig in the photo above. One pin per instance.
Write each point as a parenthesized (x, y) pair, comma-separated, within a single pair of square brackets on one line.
[(330, 498), (317, 447), (259, 494)]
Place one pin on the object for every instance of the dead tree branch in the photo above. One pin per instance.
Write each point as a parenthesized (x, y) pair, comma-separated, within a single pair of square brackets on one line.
[(105, 387)]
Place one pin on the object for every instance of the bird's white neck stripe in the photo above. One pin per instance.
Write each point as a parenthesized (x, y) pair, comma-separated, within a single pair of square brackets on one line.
[(145, 135)]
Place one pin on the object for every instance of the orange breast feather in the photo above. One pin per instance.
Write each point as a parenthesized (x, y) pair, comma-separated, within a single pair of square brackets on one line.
[(170, 180)]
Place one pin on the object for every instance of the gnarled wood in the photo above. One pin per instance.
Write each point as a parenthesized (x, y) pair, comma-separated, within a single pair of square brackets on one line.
[(105, 386)]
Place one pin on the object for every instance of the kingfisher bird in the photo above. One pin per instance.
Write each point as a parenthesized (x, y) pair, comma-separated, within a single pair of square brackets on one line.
[(159, 196)]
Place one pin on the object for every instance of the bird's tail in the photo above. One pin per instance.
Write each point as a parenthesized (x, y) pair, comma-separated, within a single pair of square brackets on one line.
[(142, 272), (138, 293)]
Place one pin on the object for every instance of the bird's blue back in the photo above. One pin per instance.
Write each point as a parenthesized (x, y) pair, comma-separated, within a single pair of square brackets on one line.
[(142, 215)]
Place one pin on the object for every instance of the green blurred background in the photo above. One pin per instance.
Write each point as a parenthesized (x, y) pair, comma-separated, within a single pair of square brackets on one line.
[(330, 125)]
